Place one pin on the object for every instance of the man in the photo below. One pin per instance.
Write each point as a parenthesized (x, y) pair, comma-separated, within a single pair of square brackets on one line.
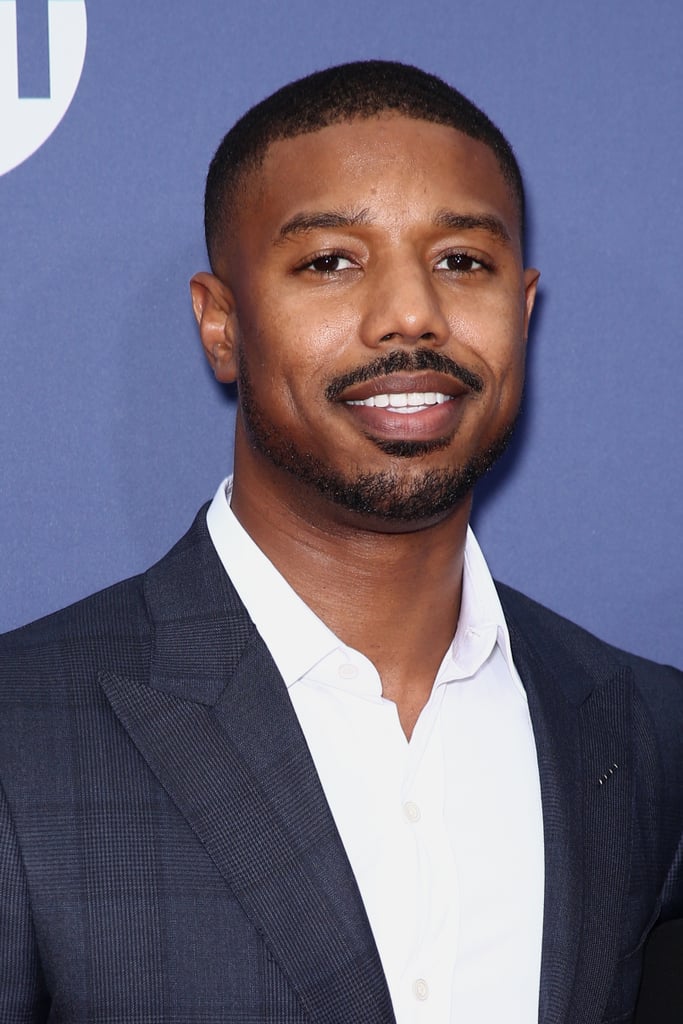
[(312, 766)]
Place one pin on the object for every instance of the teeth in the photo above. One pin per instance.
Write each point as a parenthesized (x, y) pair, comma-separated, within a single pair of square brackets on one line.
[(404, 401)]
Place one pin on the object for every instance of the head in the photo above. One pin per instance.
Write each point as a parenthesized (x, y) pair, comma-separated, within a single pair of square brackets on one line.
[(364, 231), (345, 93)]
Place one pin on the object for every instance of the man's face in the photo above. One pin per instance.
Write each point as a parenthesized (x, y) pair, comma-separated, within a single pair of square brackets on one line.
[(378, 318)]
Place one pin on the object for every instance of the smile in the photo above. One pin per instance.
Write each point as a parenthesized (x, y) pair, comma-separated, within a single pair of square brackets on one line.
[(404, 402)]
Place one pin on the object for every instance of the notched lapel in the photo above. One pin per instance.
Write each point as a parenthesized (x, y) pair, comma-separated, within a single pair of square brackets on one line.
[(558, 744), (584, 736), (607, 740), (225, 743)]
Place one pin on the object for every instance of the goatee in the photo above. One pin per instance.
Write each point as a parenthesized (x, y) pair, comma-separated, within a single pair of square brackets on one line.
[(390, 495)]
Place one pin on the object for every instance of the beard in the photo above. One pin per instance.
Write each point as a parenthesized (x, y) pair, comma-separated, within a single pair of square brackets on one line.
[(390, 495)]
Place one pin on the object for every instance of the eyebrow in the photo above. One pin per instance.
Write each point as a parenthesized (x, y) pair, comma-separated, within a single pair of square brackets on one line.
[(473, 222), (300, 223)]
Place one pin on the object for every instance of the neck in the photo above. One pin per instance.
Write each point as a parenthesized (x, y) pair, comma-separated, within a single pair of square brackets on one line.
[(393, 596)]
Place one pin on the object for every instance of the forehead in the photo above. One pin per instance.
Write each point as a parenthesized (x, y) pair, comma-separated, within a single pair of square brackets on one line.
[(376, 160)]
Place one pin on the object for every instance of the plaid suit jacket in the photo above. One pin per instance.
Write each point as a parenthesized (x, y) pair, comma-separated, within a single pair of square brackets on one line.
[(167, 855)]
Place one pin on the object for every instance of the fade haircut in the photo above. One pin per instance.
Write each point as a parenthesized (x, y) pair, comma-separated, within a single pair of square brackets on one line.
[(361, 89)]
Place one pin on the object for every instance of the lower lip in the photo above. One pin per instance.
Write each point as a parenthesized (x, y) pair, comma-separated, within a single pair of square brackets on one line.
[(430, 424)]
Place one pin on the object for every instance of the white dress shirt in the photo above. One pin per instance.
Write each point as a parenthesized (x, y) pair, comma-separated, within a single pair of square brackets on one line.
[(444, 833)]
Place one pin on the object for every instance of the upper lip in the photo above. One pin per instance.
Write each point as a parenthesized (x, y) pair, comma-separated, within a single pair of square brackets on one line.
[(404, 383)]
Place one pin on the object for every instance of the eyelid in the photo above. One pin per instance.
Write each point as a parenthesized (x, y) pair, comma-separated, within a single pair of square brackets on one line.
[(332, 253), (483, 262)]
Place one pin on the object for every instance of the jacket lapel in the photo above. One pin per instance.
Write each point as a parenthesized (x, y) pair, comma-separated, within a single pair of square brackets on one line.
[(216, 726), (580, 709)]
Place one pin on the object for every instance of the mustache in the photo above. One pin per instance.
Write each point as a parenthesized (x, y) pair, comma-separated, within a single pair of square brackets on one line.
[(401, 361)]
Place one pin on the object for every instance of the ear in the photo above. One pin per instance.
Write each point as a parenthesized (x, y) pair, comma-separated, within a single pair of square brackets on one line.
[(214, 310), (531, 276)]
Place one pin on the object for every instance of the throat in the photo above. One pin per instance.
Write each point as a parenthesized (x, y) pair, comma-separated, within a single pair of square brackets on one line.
[(392, 596), (410, 698)]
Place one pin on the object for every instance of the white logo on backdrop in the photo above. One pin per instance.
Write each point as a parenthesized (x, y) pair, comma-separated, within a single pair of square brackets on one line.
[(27, 122)]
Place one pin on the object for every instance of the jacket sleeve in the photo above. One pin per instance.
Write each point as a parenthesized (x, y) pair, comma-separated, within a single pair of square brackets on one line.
[(23, 995)]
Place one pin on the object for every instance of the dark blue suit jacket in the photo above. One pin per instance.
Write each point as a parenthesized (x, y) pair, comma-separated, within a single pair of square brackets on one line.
[(167, 855)]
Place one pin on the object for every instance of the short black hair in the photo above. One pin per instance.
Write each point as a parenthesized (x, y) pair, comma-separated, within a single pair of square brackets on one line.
[(361, 89)]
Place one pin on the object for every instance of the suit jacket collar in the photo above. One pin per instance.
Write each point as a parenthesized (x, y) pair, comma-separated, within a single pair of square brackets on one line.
[(215, 723), (580, 703), (216, 726)]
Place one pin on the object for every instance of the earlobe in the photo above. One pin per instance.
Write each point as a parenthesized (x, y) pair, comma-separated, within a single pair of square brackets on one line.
[(213, 306)]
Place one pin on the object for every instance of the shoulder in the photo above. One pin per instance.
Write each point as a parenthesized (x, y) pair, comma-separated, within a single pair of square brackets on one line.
[(527, 613), (115, 616), (117, 628), (111, 624), (560, 641), (549, 626)]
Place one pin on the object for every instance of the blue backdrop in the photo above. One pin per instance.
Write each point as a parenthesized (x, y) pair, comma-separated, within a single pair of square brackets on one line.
[(113, 431)]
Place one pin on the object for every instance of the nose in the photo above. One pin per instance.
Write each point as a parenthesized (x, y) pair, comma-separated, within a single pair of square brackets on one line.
[(403, 306)]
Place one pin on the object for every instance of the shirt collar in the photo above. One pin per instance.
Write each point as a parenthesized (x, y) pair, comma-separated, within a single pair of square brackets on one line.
[(481, 623), (276, 610), (280, 615)]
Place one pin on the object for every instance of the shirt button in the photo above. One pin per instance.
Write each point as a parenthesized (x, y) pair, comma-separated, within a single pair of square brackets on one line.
[(421, 989), (348, 671), (412, 813)]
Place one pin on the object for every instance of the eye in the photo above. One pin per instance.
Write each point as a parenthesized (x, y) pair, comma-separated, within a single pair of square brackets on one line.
[(329, 263), (461, 263)]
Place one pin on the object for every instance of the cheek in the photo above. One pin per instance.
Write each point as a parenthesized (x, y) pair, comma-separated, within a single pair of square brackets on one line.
[(281, 365), (495, 352), (297, 347), (492, 344), (507, 372), (266, 341)]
